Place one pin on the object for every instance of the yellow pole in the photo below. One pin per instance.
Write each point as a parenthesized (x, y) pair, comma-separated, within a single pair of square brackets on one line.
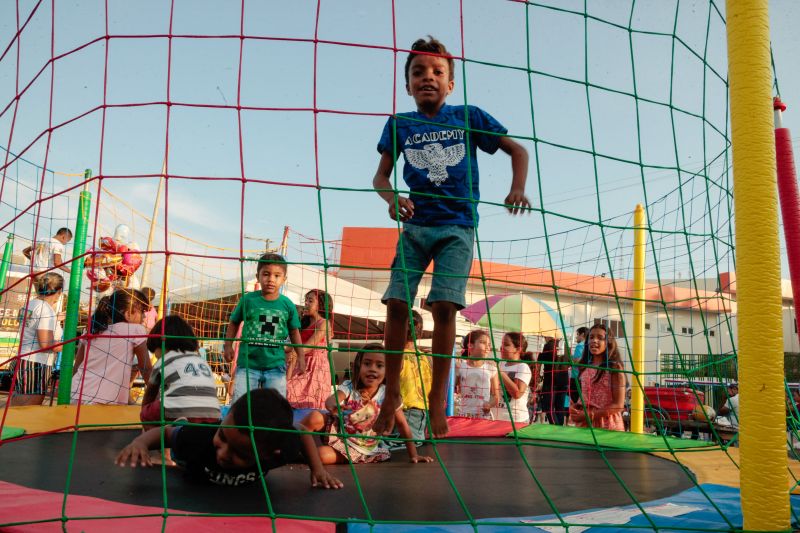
[(637, 390), (162, 306), (764, 465)]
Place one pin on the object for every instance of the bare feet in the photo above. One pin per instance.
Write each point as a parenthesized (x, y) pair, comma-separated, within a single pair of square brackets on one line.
[(384, 424), (438, 419)]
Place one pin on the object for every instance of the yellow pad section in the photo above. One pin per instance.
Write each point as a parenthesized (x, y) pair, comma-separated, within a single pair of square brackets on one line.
[(716, 466), (38, 419)]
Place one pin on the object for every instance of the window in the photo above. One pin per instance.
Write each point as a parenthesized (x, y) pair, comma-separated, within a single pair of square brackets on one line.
[(646, 325), (614, 326), (687, 331), (712, 333), (665, 329)]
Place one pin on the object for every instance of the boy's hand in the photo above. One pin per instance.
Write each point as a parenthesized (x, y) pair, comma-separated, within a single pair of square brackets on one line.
[(324, 480), (229, 354), (134, 452), (421, 459), (516, 202), (406, 207)]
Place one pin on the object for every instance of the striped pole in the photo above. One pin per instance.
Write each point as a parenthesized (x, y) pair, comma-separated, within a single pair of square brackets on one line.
[(764, 463), (637, 392)]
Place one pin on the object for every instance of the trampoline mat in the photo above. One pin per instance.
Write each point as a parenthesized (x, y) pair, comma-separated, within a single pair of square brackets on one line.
[(489, 474)]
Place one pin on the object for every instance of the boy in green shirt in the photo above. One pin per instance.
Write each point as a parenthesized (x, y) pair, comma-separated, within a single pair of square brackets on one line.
[(269, 318)]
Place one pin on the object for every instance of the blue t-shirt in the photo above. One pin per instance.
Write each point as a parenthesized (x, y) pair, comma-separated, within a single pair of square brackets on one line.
[(266, 326), (441, 160)]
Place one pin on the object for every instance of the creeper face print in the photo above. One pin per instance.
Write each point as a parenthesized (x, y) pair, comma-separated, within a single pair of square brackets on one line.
[(266, 327), (269, 324)]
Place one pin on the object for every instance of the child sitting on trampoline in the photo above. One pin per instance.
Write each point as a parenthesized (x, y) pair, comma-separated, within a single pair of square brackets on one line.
[(224, 455), (439, 144), (189, 390), (358, 402)]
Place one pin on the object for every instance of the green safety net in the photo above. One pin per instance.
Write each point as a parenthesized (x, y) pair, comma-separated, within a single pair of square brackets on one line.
[(622, 103)]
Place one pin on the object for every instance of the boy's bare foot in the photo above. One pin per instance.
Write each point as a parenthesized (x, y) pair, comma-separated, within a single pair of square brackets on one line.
[(438, 419), (384, 424)]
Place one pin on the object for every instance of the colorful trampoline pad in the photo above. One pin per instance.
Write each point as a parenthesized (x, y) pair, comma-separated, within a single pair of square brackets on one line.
[(622, 440), (9, 432), (44, 419)]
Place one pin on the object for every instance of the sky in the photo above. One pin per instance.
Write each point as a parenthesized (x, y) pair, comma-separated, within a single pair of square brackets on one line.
[(627, 105)]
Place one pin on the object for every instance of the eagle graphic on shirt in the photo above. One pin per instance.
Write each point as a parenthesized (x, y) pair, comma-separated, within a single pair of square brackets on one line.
[(435, 158)]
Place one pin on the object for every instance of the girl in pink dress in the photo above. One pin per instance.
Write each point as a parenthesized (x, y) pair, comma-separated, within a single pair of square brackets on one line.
[(310, 389), (601, 385)]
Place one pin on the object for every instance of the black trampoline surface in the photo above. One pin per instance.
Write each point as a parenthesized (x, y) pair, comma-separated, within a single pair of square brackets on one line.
[(493, 480)]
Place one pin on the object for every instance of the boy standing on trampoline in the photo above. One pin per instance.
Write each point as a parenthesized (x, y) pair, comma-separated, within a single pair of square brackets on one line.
[(269, 318), (439, 217)]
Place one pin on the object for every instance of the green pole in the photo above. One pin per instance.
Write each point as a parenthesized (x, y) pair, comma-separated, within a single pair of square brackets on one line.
[(74, 296), (9, 249)]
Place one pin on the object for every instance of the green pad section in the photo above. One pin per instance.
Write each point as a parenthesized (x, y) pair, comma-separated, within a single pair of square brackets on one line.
[(609, 439), (10, 433)]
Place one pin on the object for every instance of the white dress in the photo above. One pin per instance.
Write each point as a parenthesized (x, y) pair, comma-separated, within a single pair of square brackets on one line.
[(475, 383)]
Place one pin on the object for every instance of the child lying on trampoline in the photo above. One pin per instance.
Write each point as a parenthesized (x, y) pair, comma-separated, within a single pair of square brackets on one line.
[(358, 403), (225, 454)]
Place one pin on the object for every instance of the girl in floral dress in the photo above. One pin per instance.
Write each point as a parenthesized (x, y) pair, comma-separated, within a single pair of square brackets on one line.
[(358, 403)]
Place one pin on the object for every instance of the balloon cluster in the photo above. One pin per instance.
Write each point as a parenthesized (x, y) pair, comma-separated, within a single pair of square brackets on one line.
[(112, 262)]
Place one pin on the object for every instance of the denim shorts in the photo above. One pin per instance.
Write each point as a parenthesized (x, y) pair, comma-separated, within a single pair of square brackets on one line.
[(449, 247), (416, 421), (248, 379)]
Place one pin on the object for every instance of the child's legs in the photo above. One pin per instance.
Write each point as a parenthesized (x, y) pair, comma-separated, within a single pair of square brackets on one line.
[(329, 456), (245, 380), (274, 378), (151, 412), (444, 337), (416, 421), (394, 339), (411, 259), (314, 421)]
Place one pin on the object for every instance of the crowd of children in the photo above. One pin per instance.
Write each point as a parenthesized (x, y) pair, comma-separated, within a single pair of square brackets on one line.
[(282, 360)]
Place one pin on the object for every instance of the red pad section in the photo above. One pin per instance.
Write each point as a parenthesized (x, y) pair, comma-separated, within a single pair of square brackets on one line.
[(21, 504), (461, 427)]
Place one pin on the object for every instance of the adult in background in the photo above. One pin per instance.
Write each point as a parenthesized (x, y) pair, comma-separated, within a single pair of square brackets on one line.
[(48, 255), (730, 408)]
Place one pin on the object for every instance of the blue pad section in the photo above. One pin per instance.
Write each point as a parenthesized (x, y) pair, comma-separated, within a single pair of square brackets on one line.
[(690, 509)]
